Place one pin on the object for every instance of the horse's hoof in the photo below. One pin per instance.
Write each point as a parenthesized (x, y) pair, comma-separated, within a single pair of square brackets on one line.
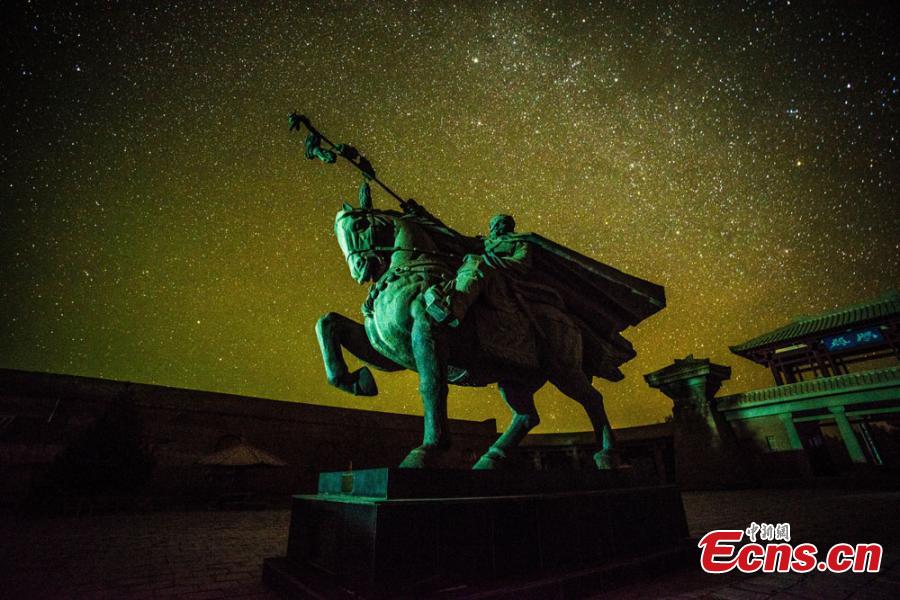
[(359, 383), (426, 456), (490, 460), (485, 463), (363, 382), (415, 459), (604, 460)]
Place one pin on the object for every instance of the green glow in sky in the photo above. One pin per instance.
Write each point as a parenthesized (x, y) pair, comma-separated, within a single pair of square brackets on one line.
[(158, 223)]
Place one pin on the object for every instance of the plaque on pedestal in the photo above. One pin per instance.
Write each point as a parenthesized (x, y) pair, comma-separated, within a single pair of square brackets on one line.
[(392, 532)]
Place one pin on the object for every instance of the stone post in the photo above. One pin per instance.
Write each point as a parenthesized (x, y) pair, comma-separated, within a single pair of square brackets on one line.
[(850, 441), (706, 451), (787, 419)]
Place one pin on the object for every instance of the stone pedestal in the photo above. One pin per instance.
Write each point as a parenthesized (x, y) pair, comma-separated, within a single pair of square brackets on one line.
[(388, 532), (706, 451)]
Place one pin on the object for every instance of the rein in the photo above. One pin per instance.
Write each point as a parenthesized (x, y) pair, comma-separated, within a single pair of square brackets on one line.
[(392, 249), (366, 244), (368, 248)]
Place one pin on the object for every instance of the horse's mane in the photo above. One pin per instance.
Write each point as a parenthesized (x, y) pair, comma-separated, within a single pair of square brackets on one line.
[(445, 237)]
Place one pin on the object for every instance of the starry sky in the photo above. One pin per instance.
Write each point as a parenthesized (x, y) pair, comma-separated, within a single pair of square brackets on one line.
[(159, 224)]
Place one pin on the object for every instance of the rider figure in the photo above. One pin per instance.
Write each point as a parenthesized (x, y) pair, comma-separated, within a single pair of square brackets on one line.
[(503, 250)]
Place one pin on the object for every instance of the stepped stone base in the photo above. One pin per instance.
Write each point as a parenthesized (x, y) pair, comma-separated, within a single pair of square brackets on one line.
[(392, 532)]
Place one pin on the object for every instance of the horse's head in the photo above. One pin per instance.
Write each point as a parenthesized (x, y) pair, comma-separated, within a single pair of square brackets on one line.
[(366, 237)]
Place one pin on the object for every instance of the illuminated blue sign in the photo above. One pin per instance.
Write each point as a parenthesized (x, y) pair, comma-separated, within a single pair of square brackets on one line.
[(852, 339)]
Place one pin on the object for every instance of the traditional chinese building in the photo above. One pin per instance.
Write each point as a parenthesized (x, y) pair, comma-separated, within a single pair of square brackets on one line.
[(837, 388), (834, 408), (825, 345)]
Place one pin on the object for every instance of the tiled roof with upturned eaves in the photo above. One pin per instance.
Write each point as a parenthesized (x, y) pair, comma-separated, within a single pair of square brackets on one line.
[(832, 321)]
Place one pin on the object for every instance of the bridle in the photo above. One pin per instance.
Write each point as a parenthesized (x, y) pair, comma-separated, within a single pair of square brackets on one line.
[(369, 249)]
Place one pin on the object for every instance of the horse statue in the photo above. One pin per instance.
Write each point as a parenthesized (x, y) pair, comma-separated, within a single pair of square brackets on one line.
[(559, 324)]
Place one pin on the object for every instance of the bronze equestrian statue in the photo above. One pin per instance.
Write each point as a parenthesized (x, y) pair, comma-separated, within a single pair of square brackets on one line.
[(513, 309), (560, 323)]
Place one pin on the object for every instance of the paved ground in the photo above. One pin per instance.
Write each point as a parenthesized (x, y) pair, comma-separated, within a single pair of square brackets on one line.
[(171, 555), (823, 517), (218, 554)]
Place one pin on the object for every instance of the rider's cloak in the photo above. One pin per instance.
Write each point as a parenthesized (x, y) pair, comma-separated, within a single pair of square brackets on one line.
[(602, 300)]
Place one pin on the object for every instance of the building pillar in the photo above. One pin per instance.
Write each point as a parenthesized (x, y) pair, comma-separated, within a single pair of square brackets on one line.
[(850, 441), (776, 374), (706, 451), (787, 419)]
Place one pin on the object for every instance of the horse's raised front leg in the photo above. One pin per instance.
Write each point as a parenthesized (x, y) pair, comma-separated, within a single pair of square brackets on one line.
[(335, 331), (520, 399), (430, 353)]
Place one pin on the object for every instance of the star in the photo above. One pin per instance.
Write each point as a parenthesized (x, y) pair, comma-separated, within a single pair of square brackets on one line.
[(160, 224)]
